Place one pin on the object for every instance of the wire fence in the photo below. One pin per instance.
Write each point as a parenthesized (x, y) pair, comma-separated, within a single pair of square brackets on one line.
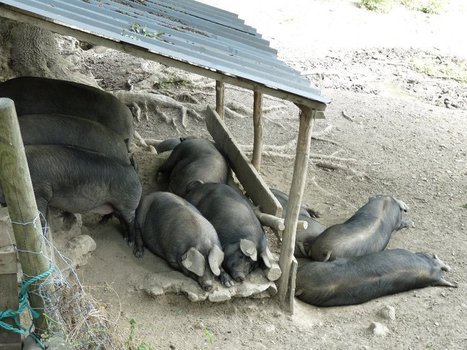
[(73, 316)]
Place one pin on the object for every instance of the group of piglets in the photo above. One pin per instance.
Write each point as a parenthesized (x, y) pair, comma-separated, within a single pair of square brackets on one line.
[(76, 141), (346, 263), (201, 226)]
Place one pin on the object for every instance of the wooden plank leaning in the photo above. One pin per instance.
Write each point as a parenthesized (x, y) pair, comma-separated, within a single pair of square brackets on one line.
[(19, 195), (250, 179)]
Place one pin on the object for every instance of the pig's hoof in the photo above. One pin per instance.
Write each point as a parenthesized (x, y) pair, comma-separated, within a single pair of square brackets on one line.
[(69, 220), (226, 280), (138, 252), (105, 219), (130, 243), (207, 287)]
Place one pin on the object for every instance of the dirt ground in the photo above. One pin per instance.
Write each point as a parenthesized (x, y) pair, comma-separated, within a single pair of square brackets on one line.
[(391, 128), (396, 125)]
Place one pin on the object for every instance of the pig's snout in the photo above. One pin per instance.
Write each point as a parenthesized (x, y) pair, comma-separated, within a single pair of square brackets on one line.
[(207, 285), (239, 276)]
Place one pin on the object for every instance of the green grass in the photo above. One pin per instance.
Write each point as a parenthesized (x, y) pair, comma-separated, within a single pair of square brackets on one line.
[(377, 5), (445, 68), (172, 81), (130, 342), (425, 6)]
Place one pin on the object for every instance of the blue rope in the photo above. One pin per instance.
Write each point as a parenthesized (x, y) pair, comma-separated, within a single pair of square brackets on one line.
[(23, 305)]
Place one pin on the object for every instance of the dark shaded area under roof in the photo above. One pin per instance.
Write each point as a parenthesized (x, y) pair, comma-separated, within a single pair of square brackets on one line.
[(181, 33)]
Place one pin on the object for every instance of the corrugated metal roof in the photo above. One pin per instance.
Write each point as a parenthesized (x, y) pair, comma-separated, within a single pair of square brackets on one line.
[(182, 31)]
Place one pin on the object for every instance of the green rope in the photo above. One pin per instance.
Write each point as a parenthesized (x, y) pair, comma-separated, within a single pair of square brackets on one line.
[(23, 305)]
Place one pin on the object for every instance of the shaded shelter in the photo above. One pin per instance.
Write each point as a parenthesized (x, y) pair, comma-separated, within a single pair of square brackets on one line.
[(210, 42)]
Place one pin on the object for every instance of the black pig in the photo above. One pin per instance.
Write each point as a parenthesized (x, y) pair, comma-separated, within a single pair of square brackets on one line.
[(173, 229), (240, 232), (58, 129), (191, 160), (34, 95), (349, 281), (77, 181), (367, 231), (304, 238)]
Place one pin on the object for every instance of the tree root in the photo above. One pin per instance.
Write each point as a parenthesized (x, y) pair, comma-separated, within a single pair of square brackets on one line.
[(324, 161), (144, 103)]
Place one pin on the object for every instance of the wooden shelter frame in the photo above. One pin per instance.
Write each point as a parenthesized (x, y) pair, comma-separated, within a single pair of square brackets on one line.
[(261, 195)]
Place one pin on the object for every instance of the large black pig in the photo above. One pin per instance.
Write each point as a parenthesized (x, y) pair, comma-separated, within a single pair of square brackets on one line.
[(77, 181), (34, 95), (191, 160), (349, 281), (58, 129), (240, 232), (367, 231), (176, 231), (304, 238)]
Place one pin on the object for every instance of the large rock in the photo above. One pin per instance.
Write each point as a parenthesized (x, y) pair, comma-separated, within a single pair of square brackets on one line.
[(256, 285)]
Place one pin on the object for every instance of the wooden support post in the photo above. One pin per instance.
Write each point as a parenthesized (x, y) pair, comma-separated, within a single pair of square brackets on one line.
[(286, 289), (19, 195), (250, 179), (220, 98), (8, 284), (258, 130)]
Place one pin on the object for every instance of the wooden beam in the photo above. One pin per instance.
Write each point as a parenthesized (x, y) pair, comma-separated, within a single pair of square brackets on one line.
[(276, 223), (258, 129), (250, 179), (286, 289), (19, 196), (37, 20), (220, 98)]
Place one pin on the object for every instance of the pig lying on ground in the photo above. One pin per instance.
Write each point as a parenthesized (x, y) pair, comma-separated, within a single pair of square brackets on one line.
[(304, 238), (191, 160), (77, 181), (367, 231), (173, 229), (58, 129), (349, 281), (34, 95), (240, 232)]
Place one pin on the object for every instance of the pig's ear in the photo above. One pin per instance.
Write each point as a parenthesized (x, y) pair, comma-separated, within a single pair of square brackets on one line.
[(215, 258), (249, 249), (402, 205), (194, 261), (267, 257), (192, 185)]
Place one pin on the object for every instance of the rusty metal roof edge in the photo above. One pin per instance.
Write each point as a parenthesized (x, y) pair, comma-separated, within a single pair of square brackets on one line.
[(317, 102)]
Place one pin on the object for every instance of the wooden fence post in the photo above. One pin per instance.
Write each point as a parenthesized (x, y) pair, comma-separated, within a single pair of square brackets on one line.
[(286, 282), (258, 130), (8, 284), (220, 98), (19, 195)]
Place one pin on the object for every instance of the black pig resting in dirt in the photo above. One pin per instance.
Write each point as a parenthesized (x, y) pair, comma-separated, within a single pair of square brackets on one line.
[(176, 231), (191, 160), (58, 129), (304, 238), (367, 231), (168, 144), (240, 232), (77, 181), (349, 281), (33, 95)]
